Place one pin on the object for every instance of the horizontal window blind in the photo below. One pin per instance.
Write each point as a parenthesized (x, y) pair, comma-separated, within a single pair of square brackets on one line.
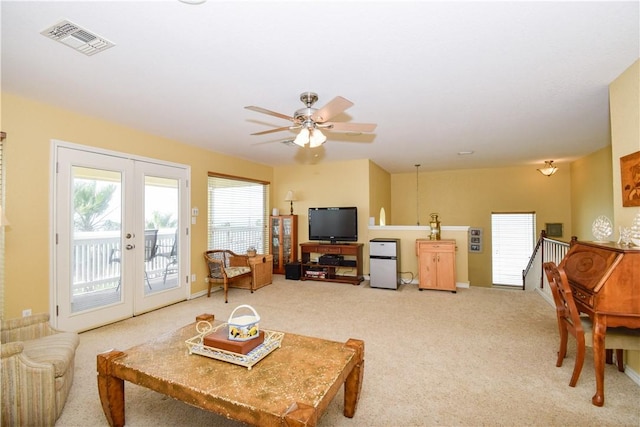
[(237, 214), (512, 240)]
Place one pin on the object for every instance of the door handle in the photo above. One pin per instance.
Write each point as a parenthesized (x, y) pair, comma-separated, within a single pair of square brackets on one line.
[(129, 235), (129, 247)]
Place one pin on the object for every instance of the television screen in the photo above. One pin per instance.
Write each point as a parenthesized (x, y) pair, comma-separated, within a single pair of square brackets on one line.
[(339, 224)]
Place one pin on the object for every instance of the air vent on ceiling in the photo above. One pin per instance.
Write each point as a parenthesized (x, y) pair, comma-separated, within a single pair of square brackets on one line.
[(77, 38)]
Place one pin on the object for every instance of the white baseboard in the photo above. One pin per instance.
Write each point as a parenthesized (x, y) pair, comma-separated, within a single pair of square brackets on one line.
[(632, 374), (416, 281), (546, 297), (204, 293)]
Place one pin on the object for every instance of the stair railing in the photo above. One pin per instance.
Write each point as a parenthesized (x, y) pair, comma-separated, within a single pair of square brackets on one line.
[(546, 249)]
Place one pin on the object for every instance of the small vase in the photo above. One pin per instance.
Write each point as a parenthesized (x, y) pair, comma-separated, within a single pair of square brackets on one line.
[(602, 228), (625, 236)]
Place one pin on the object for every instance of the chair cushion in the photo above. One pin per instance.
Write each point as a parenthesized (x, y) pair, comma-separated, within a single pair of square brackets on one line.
[(236, 271), (58, 349), (622, 338), (214, 271)]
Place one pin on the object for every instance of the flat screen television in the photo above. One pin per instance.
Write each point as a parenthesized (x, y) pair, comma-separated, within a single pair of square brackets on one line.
[(338, 224)]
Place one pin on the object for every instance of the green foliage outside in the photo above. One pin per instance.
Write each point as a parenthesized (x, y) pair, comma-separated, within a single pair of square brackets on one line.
[(161, 220), (91, 207)]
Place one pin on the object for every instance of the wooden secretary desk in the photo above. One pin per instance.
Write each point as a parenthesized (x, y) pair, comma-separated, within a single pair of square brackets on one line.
[(605, 282)]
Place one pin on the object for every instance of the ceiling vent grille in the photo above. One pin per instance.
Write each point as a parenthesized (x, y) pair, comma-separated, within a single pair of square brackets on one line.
[(76, 37)]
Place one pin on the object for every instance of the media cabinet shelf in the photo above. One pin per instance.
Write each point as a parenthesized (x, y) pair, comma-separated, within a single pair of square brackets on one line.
[(352, 252)]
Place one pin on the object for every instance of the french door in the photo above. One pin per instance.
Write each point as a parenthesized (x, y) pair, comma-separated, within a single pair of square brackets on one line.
[(120, 240)]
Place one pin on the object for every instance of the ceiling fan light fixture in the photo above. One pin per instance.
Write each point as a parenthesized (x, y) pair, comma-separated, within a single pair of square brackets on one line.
[(303, 137), (317, 138), (548, 169), (311, 120)]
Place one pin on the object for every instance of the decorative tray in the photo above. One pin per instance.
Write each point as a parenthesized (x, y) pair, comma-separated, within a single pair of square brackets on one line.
[(272, 340)]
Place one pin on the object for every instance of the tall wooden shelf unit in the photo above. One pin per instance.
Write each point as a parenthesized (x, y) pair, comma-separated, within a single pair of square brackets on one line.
[(283, 241), (352, 261), (436, 264)]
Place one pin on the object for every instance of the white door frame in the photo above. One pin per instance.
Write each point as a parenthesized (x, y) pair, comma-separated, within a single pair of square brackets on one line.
[(184, 227)]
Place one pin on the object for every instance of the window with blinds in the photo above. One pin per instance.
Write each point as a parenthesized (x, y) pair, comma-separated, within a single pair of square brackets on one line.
[(512, 239), (238, 214)]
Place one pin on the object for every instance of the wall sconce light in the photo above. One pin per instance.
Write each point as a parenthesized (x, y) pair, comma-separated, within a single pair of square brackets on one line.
[(548, 169), (290, 197)]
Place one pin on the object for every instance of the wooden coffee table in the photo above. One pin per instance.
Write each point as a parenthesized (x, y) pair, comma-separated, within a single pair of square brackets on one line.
[(292, 386)]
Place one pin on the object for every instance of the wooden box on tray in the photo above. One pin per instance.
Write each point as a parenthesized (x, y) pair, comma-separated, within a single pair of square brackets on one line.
[(219, 339)]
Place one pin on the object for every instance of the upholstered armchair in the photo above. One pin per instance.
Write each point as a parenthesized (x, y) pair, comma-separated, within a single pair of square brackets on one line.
[(37, 370)]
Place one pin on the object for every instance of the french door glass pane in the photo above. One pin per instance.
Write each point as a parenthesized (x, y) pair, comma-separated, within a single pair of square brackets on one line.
[(96, 228), (161, 210)]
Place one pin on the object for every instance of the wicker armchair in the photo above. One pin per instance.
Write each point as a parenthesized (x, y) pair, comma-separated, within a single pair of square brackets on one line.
[(229, 268), (37, 370)]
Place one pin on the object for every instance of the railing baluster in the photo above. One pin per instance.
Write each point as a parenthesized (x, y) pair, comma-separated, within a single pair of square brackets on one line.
[(545, 250), (91, 270)]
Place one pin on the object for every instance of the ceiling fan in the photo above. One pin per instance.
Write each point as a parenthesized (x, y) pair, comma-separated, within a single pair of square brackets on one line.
[(311, 120)]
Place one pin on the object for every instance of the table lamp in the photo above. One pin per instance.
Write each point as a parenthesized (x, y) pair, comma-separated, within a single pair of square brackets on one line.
[(290, 197)]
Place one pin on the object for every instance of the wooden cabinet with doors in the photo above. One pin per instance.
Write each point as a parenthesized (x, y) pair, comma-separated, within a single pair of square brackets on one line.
[(283, 241), (436, 264)]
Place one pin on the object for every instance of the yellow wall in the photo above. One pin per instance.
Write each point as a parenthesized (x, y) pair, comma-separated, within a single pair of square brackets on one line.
[(624, 95), (379, 193), (346, 184), (408, 257), (468, 197), (325, 184), (30, 127), (591, 191)]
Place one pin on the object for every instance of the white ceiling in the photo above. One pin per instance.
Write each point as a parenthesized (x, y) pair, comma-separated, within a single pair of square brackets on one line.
[(515, 82)]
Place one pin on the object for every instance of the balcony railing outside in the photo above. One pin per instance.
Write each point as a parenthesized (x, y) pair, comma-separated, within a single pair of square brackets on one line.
[(94, 270), (238, 238)]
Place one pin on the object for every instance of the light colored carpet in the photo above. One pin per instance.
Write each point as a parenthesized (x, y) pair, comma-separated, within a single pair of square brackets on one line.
[(478, 357)]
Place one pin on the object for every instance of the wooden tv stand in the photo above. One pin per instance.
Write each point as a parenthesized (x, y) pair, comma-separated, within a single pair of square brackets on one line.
[(352, 253)]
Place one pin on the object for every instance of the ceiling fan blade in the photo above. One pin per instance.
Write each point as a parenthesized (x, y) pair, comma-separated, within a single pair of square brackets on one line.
[(350, 127), (264, 132), (269, 112), (336, 106)]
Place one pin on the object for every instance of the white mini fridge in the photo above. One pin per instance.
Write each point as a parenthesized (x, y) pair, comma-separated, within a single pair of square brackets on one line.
[(384, 263)]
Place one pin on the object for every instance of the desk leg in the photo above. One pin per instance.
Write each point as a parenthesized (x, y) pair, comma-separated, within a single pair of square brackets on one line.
[(353, 383), (599, 329), (111, 389)]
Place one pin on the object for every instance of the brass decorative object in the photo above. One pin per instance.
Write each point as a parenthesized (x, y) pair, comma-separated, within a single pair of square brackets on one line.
[(435, 227)]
